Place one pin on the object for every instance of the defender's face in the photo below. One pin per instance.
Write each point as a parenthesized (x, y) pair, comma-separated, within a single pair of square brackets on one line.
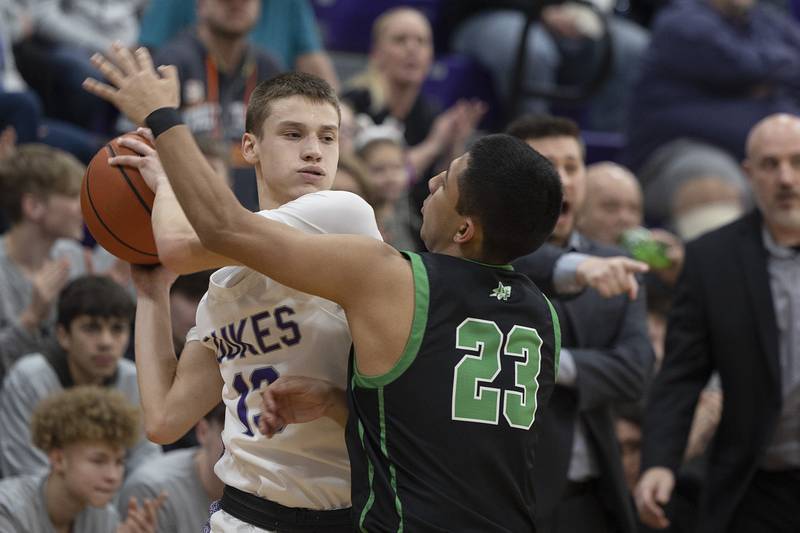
[(440, 220), (298, 151), (92, 471), (566, 155), (94, 346)]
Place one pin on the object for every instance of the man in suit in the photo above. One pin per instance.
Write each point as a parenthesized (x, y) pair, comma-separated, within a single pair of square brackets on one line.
[(606, 359), (737, 312)]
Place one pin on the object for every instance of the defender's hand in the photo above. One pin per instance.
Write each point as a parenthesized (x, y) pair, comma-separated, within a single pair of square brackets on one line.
[(136, 88), (297, 399)]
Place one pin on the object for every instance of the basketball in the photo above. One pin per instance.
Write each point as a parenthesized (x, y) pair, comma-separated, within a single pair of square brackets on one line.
[(116, 204)]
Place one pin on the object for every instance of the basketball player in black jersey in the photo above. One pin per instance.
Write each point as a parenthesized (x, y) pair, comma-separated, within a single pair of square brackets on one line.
[(454, 351)]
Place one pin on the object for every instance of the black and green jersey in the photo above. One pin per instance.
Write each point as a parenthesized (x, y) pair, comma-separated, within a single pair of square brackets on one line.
[(444, 441)]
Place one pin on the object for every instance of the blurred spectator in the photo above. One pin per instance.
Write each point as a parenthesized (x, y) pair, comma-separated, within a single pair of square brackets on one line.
[(218, 68), (84, 432), (40, 196), (21, 111), (400, 59), (628, 427), (714, 68), (612, 212), (286, 29), (184, 297), (750, 337), (564, 45), (55, 58), (606, 359), (347, 129), (218, 156), (94, 323), (186, 476), (613, 203), (381, 149), (351, 176)]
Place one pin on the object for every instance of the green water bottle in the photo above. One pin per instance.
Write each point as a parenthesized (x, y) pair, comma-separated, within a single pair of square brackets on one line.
[(639, 242)]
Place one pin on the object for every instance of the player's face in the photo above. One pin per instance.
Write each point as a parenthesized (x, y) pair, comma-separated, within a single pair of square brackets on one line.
[(94, 346), (298, 151), (773, 165), (440, 219), (566, 155), (91, 471), (62, 217), (404, 50)]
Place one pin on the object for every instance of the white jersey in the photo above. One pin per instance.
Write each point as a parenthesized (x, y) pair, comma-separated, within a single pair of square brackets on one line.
[(259, 330)]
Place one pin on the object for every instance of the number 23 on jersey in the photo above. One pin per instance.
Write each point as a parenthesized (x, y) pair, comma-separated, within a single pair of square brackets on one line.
[(474, 400)]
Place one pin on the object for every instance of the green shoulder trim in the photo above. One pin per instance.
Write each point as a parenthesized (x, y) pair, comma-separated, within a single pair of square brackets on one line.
[(418, 325), (556, 334)]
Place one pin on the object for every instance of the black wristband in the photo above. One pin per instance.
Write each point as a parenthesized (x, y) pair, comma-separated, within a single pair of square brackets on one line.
[(163, 119)]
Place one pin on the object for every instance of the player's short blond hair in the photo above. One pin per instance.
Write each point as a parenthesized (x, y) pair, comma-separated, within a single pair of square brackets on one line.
[(40, 170), (82, 414)]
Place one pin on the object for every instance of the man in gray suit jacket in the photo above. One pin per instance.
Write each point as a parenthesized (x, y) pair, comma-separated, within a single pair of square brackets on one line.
[(606, 359)]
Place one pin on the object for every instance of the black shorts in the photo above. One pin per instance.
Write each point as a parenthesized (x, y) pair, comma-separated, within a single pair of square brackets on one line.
[(275, 517)]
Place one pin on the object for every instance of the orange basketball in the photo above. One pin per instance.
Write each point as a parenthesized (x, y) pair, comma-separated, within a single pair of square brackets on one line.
[(116, 204)]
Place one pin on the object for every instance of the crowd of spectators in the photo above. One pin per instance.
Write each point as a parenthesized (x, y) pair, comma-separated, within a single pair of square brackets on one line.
[(675, 409)]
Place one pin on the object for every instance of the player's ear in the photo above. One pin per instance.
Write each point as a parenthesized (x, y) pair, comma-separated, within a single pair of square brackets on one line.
[(250, 148), (466, 231)]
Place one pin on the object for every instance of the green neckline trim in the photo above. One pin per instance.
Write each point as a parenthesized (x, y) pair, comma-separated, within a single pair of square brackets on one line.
[(556, 334), (418, 325), (392, 473), (507, 266)]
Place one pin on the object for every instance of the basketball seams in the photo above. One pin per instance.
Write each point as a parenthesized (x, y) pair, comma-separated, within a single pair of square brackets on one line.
[(128, 180), (99, 218)]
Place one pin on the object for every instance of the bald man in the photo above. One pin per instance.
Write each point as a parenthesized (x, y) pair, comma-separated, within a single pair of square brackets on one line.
[(737, 312), (613, 203)]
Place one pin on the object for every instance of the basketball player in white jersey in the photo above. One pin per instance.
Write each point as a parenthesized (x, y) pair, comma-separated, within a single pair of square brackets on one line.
[(250, 330)]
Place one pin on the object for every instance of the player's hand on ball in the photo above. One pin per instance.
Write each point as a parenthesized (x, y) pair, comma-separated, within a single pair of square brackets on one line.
[(653, 492), (611, 276), (293, 400), (147, 162), (137, 88), (152, 281)]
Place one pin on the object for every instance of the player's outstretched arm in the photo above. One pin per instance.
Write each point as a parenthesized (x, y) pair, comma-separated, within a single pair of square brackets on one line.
[(175, 394)]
